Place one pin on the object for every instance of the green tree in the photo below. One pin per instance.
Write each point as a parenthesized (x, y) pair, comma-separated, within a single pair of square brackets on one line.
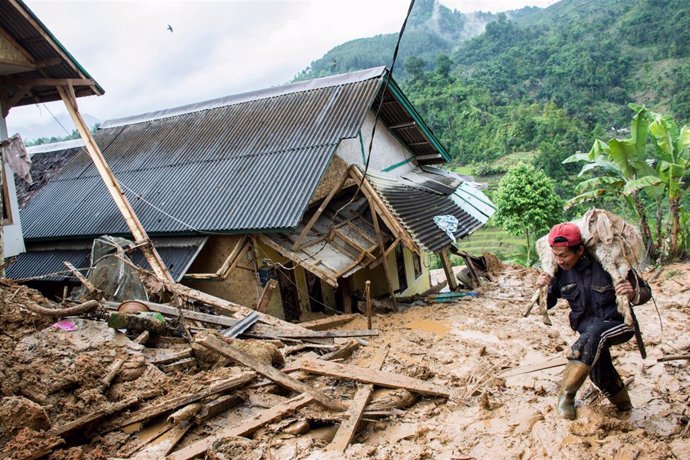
[(620, 168), (527, 203)]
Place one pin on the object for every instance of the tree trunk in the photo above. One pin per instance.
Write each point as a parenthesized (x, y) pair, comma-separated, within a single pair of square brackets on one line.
[(659, 219), (644, 226), (529, 248), (674, 205)]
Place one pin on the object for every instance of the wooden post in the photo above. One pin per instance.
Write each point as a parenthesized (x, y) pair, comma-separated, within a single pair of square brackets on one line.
[(450, 276), (297, 244), (367, 295), (348, 427), (111, 183), (375, 219), (262, 305)]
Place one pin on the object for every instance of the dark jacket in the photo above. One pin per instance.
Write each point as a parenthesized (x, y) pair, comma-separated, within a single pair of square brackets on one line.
[(590, 292)]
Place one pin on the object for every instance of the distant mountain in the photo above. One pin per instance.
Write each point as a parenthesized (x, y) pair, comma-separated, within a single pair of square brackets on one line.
[(432, 30), (543, 82)]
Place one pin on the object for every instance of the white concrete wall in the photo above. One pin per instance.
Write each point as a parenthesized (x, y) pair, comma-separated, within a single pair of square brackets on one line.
[(387, 151), (12, 238)]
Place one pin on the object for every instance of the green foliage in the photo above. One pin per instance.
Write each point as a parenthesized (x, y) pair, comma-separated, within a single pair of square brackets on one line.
[(527, 203)]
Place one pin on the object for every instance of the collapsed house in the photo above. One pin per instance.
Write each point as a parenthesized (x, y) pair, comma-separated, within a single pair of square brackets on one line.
[(32, 64), (278, 184)]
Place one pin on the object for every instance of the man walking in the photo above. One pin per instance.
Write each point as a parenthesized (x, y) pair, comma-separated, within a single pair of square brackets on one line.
[(591, 294)]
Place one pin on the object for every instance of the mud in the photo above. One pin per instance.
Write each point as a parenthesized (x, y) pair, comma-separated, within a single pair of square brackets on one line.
[(54, 376)]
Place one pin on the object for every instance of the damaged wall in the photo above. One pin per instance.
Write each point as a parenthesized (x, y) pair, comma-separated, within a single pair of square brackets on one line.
[(241, 286), (377, 276), (12, 238), (388, 153)]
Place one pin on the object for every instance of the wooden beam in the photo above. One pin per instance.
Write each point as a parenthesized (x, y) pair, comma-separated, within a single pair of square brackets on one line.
[(264, 331), (266, 294), (167, 310), (70, 427), (380, 378), (367, 298), (8, 103), (226, 268), (375, 220), (82, 279), (56, 82), (322, 207), (111, 183), (179, 401), (548, 364), (348, 427), (328, 322), (164, 443), (388, 218), (448, 269), (244, 427), (269, 372)]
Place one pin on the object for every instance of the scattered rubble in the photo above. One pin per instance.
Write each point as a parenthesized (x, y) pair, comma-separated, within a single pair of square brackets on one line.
[(430, 381)]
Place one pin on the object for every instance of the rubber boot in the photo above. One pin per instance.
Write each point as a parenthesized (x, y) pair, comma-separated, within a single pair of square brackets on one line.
[(621, 400), (573, 377)]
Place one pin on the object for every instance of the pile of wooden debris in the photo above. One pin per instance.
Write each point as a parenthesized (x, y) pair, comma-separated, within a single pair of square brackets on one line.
[(142, 379)]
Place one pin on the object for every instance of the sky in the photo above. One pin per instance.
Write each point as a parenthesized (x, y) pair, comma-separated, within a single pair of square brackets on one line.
[(216, 48)]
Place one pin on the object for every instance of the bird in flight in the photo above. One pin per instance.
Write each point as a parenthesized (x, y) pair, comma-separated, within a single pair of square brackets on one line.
[(170, 28)]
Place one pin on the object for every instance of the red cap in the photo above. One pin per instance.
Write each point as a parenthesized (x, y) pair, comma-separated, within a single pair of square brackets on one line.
[(567, 230)]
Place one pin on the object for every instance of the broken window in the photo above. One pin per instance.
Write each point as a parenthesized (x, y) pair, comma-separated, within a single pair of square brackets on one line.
[(417, 264)]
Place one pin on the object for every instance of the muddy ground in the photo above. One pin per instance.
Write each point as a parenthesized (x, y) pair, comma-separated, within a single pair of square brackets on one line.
[(51, 379)]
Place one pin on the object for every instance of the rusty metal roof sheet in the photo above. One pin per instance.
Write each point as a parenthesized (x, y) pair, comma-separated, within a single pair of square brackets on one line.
[(47, 263), (245, 163), (416, 198)]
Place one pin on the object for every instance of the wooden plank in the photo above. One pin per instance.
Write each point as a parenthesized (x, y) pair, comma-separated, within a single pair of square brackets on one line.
[(217, 406), (266, 294), (242, 428), (174, 403), (380, 378), (375, 220), (322, 207), (170, 358), (329, 322), (82, 279), (553, 362), (343, 352), (367, 297), (163, 444), (348, 427), (448, 269), (142, 438), (173, 312), (183, 364), (263, 331), (68, 428), (269, 372)]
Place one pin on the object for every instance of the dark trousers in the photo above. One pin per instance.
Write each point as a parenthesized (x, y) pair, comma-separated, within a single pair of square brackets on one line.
[(592, 348)]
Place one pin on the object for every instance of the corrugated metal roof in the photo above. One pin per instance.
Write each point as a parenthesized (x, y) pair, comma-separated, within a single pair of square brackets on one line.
[(51, 59), (177, 254), (415, 202), (250, 166)]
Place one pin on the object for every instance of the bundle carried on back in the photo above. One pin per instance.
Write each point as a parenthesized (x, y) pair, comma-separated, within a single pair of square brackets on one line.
[(616, 244)]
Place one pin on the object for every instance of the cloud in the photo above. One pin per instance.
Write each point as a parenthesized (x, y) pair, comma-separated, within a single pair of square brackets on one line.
[(217, 48)]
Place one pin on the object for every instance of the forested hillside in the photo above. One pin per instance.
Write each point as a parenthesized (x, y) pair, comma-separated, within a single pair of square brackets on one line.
[(545, 82)]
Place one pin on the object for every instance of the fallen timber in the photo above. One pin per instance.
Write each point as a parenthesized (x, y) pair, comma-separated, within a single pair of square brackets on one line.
[(380, 378), (269, 372)]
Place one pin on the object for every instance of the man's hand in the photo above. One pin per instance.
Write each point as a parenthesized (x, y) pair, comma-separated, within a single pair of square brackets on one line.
[(543, 280), (624, 288)]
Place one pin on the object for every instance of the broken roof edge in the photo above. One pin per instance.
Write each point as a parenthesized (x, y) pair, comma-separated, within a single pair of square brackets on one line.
[(307, 85), (60, 49)]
